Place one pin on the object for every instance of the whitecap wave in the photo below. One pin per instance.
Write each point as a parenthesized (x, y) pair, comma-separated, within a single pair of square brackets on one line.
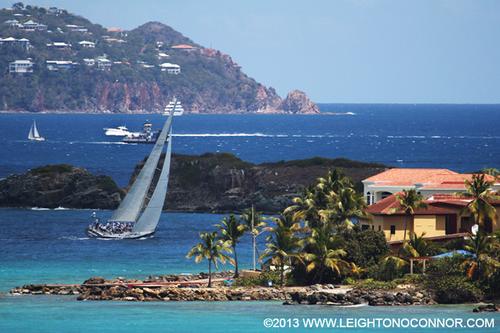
[(39, 208), (61, 208)]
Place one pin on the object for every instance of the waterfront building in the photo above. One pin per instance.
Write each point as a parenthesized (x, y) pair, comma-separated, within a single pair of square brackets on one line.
[(444, 217), (59, 45), (32, 26), (425, 181)]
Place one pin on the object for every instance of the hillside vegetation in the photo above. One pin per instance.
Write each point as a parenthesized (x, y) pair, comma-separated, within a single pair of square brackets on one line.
[(209, 81)]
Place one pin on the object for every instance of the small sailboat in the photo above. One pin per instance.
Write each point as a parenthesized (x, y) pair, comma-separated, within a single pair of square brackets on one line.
[(176, 106), (34, 135), (138, 216)]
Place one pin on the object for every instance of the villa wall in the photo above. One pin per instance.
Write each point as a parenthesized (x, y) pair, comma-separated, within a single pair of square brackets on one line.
[(431, 225)]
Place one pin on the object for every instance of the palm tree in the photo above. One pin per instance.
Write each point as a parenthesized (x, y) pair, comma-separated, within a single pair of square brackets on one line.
[(305, 208), (322, 254), (282, 245), (254, 223), (334, 181), (482, 263), (478, 189), (231, 231), (211, 249), (417, 247), (344, 207), (409, 202)]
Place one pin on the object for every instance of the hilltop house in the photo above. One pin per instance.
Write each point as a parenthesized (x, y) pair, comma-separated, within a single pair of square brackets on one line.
[(443, 218), (60, 65), (103, 64), (12, 23), (426, 181), (184, 47), (89, 62), (170, 68), (55, 11), (87, 44), (32, 26), (21, 66), (76, 28), (59, 45), (11, 41)]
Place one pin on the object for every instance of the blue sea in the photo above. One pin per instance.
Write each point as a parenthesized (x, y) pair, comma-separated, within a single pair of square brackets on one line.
[(40, 245)]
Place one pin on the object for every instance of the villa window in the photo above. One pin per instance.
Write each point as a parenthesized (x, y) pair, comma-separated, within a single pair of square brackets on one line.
[(384, 195), (393, 229), (368, 198), (379, 228), (365, 227)]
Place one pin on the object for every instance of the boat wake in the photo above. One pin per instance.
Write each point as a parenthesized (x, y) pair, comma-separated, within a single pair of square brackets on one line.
[(74, 238)]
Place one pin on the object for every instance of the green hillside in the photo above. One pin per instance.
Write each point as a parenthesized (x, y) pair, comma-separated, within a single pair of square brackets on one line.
[(209, 81)]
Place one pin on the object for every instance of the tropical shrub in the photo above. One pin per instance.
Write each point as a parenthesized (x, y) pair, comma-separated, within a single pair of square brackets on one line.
[(261, 280), (454, 289)]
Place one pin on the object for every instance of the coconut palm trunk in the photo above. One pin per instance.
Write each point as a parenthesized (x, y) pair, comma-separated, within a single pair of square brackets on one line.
[(236, 270), (210, 273)]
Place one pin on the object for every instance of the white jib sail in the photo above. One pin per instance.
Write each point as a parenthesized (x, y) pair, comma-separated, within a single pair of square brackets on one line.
[(151, 215), (132, 204)]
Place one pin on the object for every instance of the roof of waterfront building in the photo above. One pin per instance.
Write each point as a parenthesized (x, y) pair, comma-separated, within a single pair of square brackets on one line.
[(424, 179)]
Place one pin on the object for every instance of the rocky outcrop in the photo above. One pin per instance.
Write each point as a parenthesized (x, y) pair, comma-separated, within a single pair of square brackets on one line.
[(297, 102), (60, 185), (99, 289), (328, 296), (222, 182), (207, 183), (487, 308)]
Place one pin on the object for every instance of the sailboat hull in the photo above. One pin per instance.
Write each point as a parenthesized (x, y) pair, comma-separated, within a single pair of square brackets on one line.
[(131, 235)]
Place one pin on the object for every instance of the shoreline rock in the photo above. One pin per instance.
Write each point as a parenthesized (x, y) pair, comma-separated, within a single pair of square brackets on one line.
[(182, 288)]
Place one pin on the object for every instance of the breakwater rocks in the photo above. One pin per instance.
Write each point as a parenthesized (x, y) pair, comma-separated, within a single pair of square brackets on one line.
[(328, 296), (98, 289)]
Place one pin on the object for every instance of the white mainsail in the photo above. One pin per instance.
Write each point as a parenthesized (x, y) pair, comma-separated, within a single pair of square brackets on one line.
[(35, 130), (30, 135), (131, 206), (151, 215)]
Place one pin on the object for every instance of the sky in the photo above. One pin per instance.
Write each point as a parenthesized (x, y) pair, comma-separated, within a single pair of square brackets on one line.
[(338, 51)]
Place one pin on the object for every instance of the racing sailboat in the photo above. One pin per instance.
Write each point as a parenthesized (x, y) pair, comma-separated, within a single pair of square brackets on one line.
[(34, 135), (138, 216)]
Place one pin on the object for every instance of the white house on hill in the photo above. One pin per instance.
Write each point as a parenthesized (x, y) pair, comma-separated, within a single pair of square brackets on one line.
[(21, 66), (170, 68), (87, 44)]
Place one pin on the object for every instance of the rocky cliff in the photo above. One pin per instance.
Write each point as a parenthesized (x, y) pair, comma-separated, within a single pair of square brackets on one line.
[(60, 185), (222, 182), (207, 183), (209, 80)]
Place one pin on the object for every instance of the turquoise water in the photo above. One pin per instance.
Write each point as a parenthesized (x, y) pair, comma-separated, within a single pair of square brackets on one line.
[(47, 246), (64, 314), (51, 246)]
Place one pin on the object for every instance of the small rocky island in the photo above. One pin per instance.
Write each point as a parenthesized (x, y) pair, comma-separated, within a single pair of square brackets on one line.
[(207, 183), (59, 185)]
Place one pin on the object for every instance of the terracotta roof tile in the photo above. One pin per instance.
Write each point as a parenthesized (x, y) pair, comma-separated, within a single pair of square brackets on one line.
[(391, 206)]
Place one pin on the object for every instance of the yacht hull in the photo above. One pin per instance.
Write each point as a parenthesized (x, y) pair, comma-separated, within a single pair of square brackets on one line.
[(98, 234)]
